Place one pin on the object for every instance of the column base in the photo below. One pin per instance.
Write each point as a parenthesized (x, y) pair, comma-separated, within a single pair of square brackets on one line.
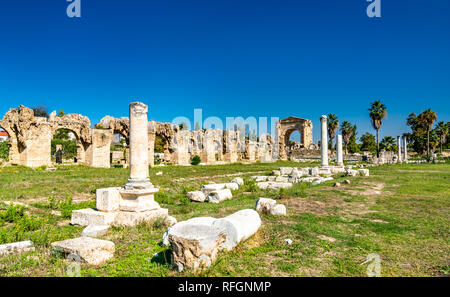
[(138, 184)]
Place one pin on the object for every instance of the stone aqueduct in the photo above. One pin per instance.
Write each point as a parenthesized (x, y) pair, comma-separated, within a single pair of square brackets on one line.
[(30, 140)]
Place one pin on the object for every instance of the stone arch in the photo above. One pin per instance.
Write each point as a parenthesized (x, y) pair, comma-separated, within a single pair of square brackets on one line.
[(288, 125)]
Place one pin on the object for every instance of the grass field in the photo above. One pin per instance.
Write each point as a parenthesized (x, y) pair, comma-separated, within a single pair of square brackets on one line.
[(400, 212)]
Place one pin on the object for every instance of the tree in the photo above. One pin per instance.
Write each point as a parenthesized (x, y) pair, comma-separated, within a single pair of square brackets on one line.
[(388, 143), (40, 111), (368, 143), (427, 118), (62, 134), (347, 131), (333, 125), (442, 129), (4, 150), (377, 114), (61, 113), (159, 144), (353, 147)]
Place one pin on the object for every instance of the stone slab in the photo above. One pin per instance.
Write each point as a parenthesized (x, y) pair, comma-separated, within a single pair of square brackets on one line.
[(90, 250), (89, 216)]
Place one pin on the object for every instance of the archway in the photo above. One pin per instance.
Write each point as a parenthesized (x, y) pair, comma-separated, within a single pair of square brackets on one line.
[(66, 147), (285, 129), (119, 149)]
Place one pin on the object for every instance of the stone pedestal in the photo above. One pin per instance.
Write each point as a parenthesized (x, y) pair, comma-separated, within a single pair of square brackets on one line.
[(324, 141), (339, 157), (138, 200)]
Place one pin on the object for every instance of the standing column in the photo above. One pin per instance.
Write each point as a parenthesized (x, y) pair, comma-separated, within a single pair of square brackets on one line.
[(324, 141), (399, 144), (339, 157), (405, 157), (138, 138)]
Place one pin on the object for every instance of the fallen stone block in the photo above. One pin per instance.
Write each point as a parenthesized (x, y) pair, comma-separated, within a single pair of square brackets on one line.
[(260, 178), (296, 173), (285, 170), (238, 180), (276, 172), (195, 244), (282, 179), (239, 226), (220, 195), (170, 221), (232, 186), (346, 181), (16, 247), (108, 199), (279, 185), (264, 205), (306, 171), (352, 172), (363, 172), (198, 196), (193, 221), (336, 170), (262, 185), (87, 249), (278, 210), (272, 178), (206, 189), (314, 171), (95, 230), (89, 216), (131, 218), (336, 184)]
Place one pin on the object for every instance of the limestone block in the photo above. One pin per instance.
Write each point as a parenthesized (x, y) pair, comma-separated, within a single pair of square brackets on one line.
[(363, 172), (259, 178), (272, 178), (346, 181), (239, 226), (352, 172), (195, 245), (309, 179), (170, 221), (108, 199), (198, 196), (90, 250), (238, 180), (306, 171), (264, 205), (325, 171), (296, 173), (292, 179), (278, 210), (335, 170), (194, 221), (262, 185), (276, 172), (220, 195), (315, 171), (285, 170), (336, 184), (232, 186), (212, 187), (282, 179), (279, 185), (95, 230), (138, 200), (132, 218), (89, 216), (16, 247)]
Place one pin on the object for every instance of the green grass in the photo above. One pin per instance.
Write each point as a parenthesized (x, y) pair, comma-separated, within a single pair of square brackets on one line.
[(400, 212)]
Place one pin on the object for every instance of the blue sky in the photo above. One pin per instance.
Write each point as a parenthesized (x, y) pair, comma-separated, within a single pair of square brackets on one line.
[(229, 57)]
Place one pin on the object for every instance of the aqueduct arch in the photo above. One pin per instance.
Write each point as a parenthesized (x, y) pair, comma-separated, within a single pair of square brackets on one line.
[(288, 125)]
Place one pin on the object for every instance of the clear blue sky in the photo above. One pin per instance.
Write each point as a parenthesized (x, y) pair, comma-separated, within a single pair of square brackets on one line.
[(229, 57)]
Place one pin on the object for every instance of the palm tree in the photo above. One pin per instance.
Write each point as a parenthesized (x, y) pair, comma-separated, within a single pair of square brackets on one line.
[(347, 131), (377, 114), (442, 129), (388, 143), (333, 125), (427, 118)]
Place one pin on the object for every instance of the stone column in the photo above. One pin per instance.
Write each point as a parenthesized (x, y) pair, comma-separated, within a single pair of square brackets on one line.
[(324, 141), (339, 157), (405, 158), (399, 144), (138, 138)]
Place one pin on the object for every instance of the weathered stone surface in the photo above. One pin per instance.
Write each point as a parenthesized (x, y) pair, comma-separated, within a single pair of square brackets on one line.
[(90, 250), (220, 195), (95, 230), (108, 199), (352, 172), (279, 185), (195, 243), (212, 187), (278, 210), (170, 221), (320, 180), (138, 200), (89, 216), (282, 179), (260, 178), (284, 171), (264, 205), (131, 218), (198, 196), (238, 180), (239, 226), (16, 247), (315, 171), (276, 172), (335, 170), (296, 173), (363, 172), (232, 186)]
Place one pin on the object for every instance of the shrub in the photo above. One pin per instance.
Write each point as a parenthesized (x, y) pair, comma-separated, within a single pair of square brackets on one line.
[(195, 160)]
